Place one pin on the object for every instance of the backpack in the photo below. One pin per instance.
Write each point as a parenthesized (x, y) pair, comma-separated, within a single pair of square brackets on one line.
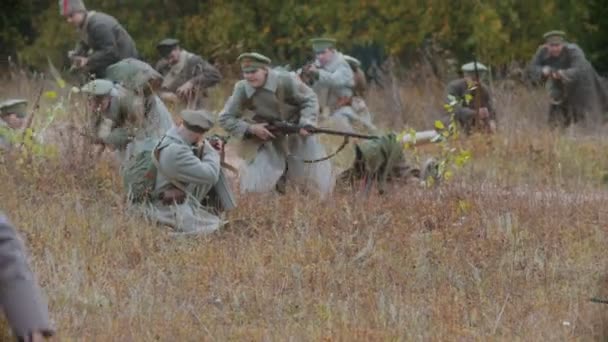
[(360, 81), (139, 173), (134, 75)]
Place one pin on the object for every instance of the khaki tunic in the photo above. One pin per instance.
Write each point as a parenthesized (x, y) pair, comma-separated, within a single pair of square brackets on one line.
[(104, 41), (130, 121), (466, 97), (178, 163), (20, 296), (283, 97), (193, 68)]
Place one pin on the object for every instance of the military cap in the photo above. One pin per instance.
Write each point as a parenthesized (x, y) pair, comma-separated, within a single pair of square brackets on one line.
[(67, 7), (352, 60), (165, 46), (320, 44), (470, 67), (251, 61), (197, 120), (555, 37), (14, 106), (98, 87)]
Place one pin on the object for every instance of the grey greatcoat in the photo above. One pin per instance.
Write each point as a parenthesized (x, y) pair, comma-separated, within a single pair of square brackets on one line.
[(193, 68), (104, 41), (283, 97), (579, 93), (334, 87), (20, 297), (178, 163), (130, 121)]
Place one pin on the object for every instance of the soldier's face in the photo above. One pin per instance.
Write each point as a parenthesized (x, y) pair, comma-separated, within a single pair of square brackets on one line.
[(256, 78), (13, 121), (173, 57), (325, 56), (75, 18), (99, 104), (555, 49)]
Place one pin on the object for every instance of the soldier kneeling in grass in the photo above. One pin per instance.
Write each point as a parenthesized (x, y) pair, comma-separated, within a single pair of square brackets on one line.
[(178, 181), (12, 116)]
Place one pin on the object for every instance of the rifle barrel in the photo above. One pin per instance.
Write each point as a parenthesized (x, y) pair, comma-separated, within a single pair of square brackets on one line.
[(340, 133)]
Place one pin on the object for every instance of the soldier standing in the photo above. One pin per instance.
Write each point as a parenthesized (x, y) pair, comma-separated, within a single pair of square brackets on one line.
[(575, 89), (334, 83), (122, 119), (103, 40), (188, 170), (267, 95), (12, 116), (471, 101), (20, 296), (187, 76)]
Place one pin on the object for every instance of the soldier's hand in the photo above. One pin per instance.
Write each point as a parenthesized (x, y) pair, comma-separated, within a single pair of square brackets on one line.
[(169, 97), (185, 89), (260, 131), (303, 132), (546, 71), (217, 144), (557, 75), (80, 62)]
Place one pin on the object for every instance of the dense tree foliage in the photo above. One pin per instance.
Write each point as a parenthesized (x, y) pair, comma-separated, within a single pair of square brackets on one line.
[(497, 31)]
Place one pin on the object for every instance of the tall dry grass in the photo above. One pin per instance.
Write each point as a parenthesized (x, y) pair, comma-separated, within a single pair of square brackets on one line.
[(511, 249)]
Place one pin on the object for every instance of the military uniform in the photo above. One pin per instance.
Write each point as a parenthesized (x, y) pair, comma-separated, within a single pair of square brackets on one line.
[(102, 39), (130, 120), (189, 68), (282, 97), (180, 168), (20, 297), (462, 97), (578, 92), (9, 107), (334, 85)]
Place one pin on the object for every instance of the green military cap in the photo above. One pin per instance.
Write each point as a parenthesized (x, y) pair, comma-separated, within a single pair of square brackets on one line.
[(320, 44), (251, 61), (197, 120), (470, 67), (352, 60), (14, 106), (98, 87), (67, 7), (555, 37), (165, 46)]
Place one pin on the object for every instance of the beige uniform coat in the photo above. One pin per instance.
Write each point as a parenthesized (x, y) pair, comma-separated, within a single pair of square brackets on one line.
[(283, 97)]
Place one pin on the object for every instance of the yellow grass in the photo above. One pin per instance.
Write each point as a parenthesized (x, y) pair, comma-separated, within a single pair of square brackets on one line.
[(511, 249)]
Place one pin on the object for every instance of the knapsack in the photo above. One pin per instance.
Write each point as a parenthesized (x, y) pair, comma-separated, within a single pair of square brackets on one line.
[(360, 81), (139, 173), (134, 75)]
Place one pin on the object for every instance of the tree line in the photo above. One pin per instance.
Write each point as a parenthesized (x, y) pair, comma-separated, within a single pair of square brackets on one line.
[(497, 32)]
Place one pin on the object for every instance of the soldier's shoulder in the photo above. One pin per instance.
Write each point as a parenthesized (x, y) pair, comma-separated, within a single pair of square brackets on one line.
[(98, 18), (239, 87), (573, 47), (457, 84)]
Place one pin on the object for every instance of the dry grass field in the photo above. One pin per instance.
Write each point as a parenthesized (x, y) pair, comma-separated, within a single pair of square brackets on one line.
[(512, 248)]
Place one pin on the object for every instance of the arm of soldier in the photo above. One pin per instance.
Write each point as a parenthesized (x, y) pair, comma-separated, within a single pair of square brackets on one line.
[(118, 138), (80, 49), (183, 166), (342, 77), (230, 116), (103, 45), (578, 64), (307, 101), (535, 68), (20, 297), (206, 75), (456, 91)]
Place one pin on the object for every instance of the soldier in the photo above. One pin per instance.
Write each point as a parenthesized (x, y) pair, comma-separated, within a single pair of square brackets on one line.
[(20, 297), (12, 115), (122, 119), (470, 111), (187, 76), (334, 84), (187, 173), (575, 89), (103, 40), (267, 95)]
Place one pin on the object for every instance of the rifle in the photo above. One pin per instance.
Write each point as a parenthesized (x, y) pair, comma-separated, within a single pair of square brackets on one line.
[(285, 128), (483, 124), (30, 119)]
